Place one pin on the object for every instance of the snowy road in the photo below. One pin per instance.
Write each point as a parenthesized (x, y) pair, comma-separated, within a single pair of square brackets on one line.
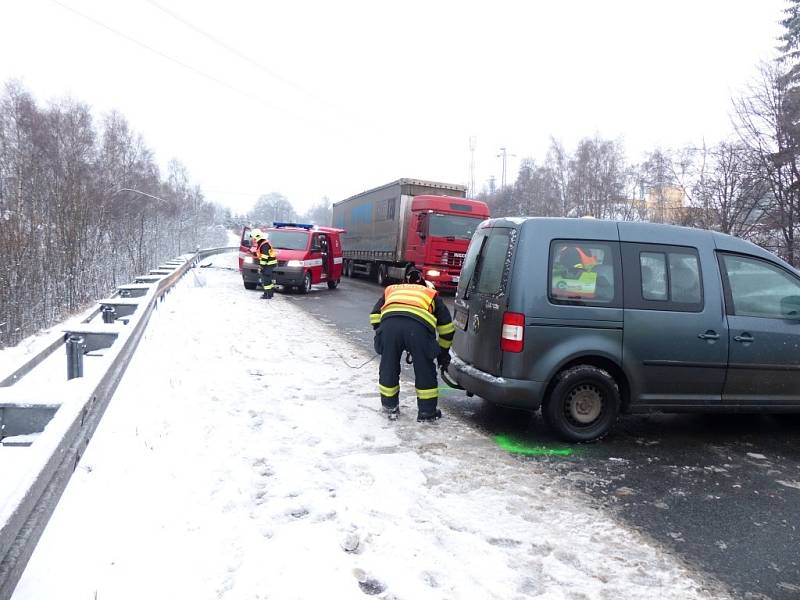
[(242, 458)]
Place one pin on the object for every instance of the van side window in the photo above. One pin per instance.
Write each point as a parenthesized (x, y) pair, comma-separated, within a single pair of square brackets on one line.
[(760, 289), (682, 285), (661, 277), (653, 266), (684, 278), (491, 263), (582, 272)]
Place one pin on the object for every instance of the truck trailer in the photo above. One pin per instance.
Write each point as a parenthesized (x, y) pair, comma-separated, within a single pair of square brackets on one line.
[(408, 223)]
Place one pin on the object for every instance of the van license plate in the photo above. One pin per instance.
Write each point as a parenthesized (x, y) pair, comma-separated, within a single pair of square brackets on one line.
[(460, 320)]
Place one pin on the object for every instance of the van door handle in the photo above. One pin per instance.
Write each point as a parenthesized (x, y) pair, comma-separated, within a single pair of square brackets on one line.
[(708, 335), (745, 338)]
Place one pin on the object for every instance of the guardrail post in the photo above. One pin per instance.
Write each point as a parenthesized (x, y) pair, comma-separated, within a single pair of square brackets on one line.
[(109, 314), (75, 348)]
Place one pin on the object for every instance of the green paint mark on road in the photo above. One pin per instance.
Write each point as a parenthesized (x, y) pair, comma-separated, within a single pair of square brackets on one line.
[(446, 389), (521, 447)]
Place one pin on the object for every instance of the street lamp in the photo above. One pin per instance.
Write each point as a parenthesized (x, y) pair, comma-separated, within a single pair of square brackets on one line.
[(138, 192), (116, 191)]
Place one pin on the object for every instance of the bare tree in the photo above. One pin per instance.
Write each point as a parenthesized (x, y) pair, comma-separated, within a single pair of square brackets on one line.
[(557, 162), (320, 213), (764, 128), (597, 178), (272, 207), (729, 189)]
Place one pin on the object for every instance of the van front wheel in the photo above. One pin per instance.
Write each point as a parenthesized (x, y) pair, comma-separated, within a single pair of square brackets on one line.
[(583, 404), (306, 283)]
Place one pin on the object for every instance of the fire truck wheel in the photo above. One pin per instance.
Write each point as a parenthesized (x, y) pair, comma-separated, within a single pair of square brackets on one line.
[(332, 284), (306, 284)]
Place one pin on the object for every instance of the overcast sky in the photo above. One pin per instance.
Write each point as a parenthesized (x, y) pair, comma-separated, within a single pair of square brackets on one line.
[(314, 99)]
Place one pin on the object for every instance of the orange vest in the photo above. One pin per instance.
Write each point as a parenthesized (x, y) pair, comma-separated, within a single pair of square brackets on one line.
[(409, 294)]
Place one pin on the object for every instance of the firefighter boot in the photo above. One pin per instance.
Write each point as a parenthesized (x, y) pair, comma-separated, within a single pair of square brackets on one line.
[(427, 411)]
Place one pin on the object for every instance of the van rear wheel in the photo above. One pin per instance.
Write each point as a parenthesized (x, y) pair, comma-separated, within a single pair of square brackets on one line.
[(583, 404)]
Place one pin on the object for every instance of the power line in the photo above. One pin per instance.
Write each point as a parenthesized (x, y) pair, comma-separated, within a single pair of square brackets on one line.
[(180, 63), (246, 58)]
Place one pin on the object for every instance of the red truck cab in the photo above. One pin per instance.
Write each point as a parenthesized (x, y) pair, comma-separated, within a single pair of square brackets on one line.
[(307, 255), (438, 236)]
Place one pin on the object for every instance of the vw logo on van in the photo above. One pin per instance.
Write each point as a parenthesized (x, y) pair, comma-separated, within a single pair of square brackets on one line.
[(476, 323)]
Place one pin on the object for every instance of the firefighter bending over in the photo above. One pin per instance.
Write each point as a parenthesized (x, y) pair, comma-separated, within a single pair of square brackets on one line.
[(267, 259), (407, 317)]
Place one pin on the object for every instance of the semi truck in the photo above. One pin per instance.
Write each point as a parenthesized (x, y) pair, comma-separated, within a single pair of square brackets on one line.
[(408, 223)]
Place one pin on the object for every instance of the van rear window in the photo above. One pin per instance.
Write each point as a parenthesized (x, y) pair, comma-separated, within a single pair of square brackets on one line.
[(491, 263), (582, 272)]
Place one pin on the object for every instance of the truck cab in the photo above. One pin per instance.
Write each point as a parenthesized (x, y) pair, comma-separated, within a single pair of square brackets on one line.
[(438, 235), (307, 255)]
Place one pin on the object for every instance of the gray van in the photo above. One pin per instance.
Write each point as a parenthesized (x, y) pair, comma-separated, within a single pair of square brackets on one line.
[(586, 319)]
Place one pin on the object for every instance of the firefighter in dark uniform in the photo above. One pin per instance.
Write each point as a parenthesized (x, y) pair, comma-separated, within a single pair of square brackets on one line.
[(407, 317), (267, 259)]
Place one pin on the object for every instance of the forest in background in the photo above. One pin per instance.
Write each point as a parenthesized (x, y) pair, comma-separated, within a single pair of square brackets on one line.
[(83, 208)]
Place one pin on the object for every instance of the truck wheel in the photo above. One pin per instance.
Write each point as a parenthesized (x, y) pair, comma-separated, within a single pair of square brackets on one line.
[(332, 284), (583, 405), (382, 278), (250, 285), (306, 284), (348, 268)]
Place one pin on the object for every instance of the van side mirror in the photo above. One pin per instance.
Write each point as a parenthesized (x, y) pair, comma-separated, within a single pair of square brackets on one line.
[(790, 307)]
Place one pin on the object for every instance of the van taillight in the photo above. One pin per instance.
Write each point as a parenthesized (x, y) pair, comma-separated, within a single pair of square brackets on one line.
[(512, 338)]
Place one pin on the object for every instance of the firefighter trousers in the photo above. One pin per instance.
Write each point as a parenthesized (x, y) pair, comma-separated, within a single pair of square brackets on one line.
[(266, 281), (399, 333)]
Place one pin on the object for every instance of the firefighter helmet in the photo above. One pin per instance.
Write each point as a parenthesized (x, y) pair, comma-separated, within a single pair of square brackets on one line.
[(256, 234)]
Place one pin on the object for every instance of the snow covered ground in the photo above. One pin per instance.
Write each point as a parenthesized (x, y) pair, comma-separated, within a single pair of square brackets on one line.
[(242, 458)]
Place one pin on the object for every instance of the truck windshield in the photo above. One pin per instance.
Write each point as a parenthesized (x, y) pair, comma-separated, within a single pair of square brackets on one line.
[(453, 226), (288, 240)]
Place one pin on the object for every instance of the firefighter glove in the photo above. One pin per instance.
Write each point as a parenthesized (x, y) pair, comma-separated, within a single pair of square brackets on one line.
[(443, 360)]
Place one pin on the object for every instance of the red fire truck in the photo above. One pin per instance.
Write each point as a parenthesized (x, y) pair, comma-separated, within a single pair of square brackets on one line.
[(307, 254), (408, 223)]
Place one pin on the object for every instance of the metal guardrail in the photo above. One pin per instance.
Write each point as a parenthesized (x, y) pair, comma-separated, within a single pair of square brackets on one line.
[(54, 455)]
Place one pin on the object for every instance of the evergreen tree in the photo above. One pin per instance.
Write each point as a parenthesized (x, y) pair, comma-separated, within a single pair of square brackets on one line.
[(790, 46)]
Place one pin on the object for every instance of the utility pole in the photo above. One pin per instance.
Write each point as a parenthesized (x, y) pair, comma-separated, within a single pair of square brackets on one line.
[(504, 154), (472, 143)]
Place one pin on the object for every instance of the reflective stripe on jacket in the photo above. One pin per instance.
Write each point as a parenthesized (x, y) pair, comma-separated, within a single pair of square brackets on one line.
[(410, 298), (418, 302), (266, 254)]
